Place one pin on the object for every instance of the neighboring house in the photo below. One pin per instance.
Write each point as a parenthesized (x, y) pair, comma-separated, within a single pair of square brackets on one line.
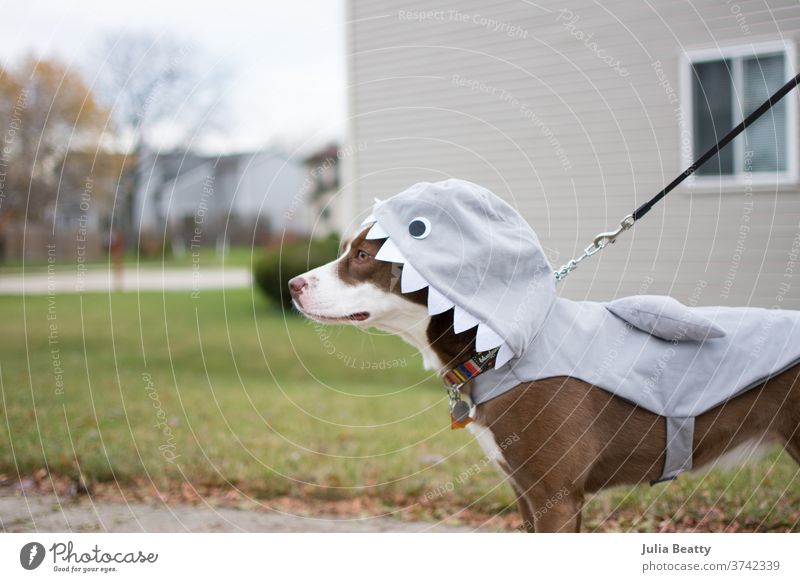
[(73, 225), (576, 112), (322, 185), (190, 200)]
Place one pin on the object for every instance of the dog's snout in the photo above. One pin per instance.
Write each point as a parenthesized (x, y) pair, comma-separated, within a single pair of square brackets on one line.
[(297, 284)]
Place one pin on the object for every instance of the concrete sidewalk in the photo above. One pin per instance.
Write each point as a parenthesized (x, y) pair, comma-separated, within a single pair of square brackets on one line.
[(46, 513), (133, 279)]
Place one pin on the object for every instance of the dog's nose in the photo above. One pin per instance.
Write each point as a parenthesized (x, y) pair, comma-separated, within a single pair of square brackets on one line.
[(296, 285)]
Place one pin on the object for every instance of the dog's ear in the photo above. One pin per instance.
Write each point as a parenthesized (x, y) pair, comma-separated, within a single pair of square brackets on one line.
[(344, 245)]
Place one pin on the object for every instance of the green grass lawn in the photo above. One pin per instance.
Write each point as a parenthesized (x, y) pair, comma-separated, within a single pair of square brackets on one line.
[(226, 391)]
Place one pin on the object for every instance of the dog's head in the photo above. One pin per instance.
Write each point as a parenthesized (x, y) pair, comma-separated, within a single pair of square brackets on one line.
[(449, 249), (356, 288), (361, 290)]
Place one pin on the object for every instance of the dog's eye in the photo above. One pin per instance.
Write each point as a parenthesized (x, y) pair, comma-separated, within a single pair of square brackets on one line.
[(420, 227), (362, 255)]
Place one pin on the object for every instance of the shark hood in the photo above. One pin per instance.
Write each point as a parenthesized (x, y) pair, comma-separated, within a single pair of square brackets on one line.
[(475, 254), (478, 256)]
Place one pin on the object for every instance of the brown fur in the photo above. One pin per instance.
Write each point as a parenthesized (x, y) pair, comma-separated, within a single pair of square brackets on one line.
[(571, 438)]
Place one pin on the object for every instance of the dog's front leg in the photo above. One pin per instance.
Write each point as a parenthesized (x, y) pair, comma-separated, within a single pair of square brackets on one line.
[(556, 509), (524, 506)]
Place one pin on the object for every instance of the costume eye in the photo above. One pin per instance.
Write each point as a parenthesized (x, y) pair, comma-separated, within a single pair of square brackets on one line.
[(420, 227)]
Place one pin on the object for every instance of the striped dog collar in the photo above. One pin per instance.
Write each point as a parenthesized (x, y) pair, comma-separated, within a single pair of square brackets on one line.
[(466, 371)]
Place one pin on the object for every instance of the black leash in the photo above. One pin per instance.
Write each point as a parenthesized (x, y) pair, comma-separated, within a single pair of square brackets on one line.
[(603, 239), (762, 109)]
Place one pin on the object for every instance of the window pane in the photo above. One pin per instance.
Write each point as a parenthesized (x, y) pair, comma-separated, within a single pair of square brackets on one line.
[(765, 141), (713, 114)]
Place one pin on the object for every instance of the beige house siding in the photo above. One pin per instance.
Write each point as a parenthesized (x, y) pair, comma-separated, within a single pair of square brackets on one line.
[(508, 96)]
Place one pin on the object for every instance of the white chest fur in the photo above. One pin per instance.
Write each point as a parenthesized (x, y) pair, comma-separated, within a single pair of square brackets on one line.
[(485, 437)]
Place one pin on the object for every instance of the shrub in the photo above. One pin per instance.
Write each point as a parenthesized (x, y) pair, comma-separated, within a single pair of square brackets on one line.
[(274, 269)]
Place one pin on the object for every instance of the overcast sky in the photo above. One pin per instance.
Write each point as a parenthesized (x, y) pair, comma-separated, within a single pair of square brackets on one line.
[(288, 62)]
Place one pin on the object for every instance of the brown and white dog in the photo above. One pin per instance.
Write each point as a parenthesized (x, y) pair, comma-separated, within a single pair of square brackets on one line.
[(571, 438)]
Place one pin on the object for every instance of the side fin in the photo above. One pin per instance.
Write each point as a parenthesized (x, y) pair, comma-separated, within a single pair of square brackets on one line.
[(665, 318)]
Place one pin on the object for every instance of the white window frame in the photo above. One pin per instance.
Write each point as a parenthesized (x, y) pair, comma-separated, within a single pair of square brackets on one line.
[(739, 179)]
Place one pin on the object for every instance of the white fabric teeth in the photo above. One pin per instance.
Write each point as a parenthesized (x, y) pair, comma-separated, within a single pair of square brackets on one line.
[(462, 320), (504, 354), (376, 232), (486, 338), (411, 280), (390, 253), (437, 303)]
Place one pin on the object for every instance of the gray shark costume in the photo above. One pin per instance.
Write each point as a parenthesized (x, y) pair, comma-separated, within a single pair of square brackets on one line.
[(478, 256)]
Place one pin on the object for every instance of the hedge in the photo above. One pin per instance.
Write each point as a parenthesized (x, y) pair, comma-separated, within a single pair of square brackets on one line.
[(273, 270)]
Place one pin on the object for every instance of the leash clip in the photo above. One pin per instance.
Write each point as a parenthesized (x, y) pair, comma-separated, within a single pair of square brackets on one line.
[(600, 242), (606, 238)]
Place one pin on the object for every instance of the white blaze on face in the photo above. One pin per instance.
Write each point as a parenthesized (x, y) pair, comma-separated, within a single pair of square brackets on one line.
[(326, 297)]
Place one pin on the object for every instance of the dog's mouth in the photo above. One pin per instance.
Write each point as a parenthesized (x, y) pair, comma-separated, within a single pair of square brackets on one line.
[(357, 316)]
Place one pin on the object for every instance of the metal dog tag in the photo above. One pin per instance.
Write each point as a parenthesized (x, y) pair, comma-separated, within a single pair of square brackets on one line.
[(460, 411)]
